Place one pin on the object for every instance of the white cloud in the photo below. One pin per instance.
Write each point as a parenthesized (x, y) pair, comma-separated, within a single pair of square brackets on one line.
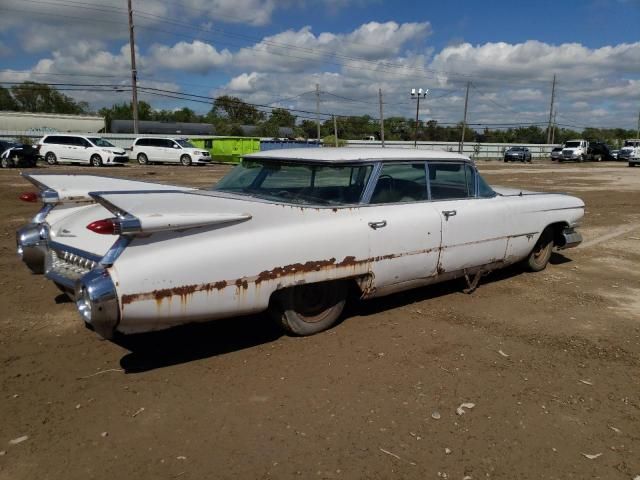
[(293, 50), (534, 60), (196, 56)]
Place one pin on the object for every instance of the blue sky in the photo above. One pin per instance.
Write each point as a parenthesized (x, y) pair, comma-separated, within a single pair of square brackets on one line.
[(273, 52)]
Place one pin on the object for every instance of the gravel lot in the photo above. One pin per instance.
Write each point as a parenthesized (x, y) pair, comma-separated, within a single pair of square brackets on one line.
[(550, 360)]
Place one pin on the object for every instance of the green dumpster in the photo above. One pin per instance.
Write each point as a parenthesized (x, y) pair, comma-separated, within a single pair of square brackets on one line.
[(228, 149)]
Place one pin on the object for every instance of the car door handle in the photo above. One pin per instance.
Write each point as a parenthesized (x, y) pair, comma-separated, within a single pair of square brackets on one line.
[(449, 213), (377, 225)]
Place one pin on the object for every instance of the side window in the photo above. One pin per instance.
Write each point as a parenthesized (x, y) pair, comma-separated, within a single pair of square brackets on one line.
[(171, 144), (450, 181), (143, 142), (470, 175), (484, 190), (156, 142), (400, 182)]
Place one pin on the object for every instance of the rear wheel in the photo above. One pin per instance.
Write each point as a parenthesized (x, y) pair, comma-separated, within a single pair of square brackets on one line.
[(142, 159), (541, 253), (308, 309), (51, 158), (96, 160), (185, 160)]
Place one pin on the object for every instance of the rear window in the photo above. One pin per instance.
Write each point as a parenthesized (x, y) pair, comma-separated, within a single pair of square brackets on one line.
[(450, 181)]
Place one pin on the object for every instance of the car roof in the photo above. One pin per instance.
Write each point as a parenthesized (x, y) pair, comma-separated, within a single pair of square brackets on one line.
[(355, 155), (53, 134)]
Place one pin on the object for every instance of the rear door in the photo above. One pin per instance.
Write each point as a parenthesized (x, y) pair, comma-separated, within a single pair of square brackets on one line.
[(474, 229), (173, 151), (404, 230), (66, 149)]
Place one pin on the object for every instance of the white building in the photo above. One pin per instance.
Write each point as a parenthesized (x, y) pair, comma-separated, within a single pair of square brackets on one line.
[(24, 123)]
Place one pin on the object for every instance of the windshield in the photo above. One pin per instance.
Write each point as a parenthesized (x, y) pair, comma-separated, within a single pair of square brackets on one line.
[(297, 183), (100, 142), (631, 143), (572, 145), (516, 149), (185, 143)]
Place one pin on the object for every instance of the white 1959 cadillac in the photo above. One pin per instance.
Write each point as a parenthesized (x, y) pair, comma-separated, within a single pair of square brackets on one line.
[(291, 231)]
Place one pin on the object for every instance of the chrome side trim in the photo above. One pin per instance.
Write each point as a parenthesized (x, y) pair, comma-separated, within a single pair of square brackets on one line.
[(115, 251), (49, 196), (129, 225), (41, 216)]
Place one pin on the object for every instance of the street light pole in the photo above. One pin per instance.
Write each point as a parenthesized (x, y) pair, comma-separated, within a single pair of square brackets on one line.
[(417, 94)]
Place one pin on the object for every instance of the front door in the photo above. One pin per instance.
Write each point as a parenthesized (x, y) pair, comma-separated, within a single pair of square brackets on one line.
[(474, 230), (404, 229)]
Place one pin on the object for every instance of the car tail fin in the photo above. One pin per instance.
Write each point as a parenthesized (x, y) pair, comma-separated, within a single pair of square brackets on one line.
[(65, 188), (146, 212)]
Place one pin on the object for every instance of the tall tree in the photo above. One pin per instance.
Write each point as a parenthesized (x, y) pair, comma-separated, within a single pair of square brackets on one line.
[(6, 100), (236, 110), (282, 118), (38, 97)]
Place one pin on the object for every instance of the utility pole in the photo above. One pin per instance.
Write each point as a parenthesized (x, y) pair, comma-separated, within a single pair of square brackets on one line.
[(638, 131), (417, 94), (553, 94), (335, 129), (553, 130), (464, 120), (318, 110), (381, 117), (134, 73)]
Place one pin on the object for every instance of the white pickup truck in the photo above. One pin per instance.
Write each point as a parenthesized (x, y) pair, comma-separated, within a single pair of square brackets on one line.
[(630, 152)]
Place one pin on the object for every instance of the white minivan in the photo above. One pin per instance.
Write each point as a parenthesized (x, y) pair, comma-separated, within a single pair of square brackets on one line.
[(61, 148), (172, 150)]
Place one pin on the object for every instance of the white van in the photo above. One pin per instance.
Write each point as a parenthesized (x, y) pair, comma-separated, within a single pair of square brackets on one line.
[(60, 148), (172, 150)]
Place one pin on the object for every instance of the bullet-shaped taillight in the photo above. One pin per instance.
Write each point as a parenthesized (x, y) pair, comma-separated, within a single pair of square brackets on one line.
[(29, 197), (107, 226)]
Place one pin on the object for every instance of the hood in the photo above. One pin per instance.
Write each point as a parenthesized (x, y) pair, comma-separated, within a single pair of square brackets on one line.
[(116, 150), (509, 192)]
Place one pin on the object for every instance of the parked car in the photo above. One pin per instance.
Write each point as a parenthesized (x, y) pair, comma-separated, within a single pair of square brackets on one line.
[(520, 154), (170, 150), (290, 231), (62, 148), (15, 154), (556, 153)]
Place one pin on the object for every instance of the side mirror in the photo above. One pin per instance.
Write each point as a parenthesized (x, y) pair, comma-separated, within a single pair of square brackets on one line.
[(175, 146)]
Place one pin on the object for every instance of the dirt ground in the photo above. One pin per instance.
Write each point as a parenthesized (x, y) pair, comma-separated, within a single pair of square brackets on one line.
[(551, 361)]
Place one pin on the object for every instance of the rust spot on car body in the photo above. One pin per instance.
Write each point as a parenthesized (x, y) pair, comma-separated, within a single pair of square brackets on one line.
[(296, 268)]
